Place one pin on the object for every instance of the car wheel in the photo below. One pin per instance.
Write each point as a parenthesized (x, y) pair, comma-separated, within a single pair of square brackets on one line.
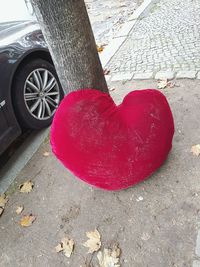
[(37, 93)]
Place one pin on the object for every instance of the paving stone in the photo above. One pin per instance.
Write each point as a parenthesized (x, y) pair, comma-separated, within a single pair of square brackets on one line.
[(197, 251), (196, 263), (143, 76), (121, 76), (165, 75), (186, 74), (162, 41)]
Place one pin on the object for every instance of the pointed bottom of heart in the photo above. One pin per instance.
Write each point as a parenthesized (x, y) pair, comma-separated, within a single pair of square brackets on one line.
[(112, 147)]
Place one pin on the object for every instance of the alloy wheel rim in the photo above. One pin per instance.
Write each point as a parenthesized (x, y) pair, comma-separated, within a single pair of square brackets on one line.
[(41, 94)]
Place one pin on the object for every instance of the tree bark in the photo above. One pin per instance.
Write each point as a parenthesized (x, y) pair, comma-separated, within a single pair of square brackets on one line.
[(68, 33)]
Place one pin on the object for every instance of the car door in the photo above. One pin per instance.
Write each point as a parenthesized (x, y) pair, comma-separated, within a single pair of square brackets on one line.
[(4, 127), (9, 127), (8, 130)]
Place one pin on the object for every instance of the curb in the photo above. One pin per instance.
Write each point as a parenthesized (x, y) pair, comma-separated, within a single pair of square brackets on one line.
[(122, 35), (160, 75), (20, 158)]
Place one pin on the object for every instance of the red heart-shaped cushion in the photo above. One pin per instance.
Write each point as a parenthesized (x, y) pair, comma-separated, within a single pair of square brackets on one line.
[(110, 146)]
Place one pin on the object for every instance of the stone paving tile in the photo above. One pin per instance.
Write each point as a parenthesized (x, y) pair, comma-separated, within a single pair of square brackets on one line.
[(196, 263), (165, 75), (198, 245), (166, 39), (121, 76), (190, 74), (143, 76)]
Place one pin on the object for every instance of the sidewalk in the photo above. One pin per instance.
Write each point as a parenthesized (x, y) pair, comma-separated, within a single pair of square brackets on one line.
[(107, 17), (155, 223), (166, 38)]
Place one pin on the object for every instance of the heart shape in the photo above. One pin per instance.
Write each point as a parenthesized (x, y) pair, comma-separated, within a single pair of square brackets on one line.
[(109, 146)]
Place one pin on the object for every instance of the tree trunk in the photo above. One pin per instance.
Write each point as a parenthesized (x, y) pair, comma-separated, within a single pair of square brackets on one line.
[(68, 33)]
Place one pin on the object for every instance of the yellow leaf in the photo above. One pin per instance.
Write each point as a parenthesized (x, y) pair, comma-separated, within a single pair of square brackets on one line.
[(1, 211), (19, 210), (66, 245), (46, 154), (3, 200), (27, 220), (26, 187), (196, 150), (94, 241), (162, 84), (100, 48), (109, 257), (59, 248)]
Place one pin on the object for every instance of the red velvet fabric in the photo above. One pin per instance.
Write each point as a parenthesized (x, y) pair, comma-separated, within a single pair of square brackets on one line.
[(109, 146)]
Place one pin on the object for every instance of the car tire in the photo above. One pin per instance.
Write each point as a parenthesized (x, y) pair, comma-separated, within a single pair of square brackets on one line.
[(36, 94)]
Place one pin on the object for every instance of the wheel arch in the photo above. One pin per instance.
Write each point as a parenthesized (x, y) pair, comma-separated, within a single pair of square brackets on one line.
[(31, 55), (23, 115), (40, 53)]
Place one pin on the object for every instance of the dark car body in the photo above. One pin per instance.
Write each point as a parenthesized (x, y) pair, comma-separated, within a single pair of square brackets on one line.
[(19, 41)]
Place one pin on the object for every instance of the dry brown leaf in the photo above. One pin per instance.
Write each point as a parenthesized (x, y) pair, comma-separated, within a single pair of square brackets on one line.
[(46, 154), (1, 211), (162, 84), (3, 200), (100, 48), (171, 84), (26, 187), (19, 209), (196, 150), (106, 71), (27, 220), (109, 257), (59, 248), (66, 245), (94, 241)]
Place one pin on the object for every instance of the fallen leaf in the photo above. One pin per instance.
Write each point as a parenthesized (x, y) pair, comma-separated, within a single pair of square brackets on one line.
[(19, 209), (106, 71), (171, 84), (46, 154), (109, 257), (3, 200), (26, 187), (1, 211), (196, 150), (27, 220), (140, 198), (162, 84), (100, 48), (66, 245), (94, 241), (59, 248), (111, 89)]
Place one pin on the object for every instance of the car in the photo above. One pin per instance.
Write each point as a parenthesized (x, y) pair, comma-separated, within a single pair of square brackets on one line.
[(30, 91)]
